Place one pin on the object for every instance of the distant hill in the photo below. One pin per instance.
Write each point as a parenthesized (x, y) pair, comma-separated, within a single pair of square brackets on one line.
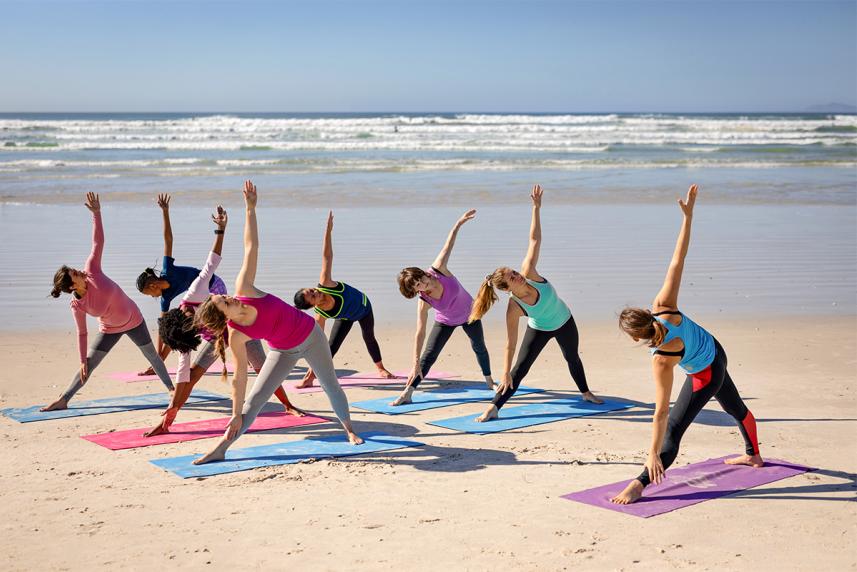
[(832, 108)]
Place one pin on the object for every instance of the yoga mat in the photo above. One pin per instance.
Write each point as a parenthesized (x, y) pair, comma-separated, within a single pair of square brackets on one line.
[(283, 454), (205, 429), (529, 415), (99, 406), (132, 377), (690, 485), (363, 380), (435, 398)]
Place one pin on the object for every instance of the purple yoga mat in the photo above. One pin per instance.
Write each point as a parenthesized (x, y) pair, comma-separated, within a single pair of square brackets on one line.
[(690, 485)]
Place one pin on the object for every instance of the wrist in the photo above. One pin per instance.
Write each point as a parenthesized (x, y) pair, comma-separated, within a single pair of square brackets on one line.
[(219, 231)]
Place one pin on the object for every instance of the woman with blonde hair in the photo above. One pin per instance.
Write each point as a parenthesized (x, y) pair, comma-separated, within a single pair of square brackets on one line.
[(549, 318), (291, 335)]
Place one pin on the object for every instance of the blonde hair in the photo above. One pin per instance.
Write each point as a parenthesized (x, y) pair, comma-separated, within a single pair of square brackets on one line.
[(641, 324), (486, 296), (208, 316)]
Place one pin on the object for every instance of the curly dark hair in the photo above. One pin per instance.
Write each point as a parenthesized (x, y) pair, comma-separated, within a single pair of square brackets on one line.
[(300, 301), (178, 331)]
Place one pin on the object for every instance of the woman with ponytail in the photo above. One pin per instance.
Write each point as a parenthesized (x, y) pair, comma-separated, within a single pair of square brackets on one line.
[(177, 330), (172, 280), (675, 339), (290, 333), (439, 289), (549, 318), (95, 294)]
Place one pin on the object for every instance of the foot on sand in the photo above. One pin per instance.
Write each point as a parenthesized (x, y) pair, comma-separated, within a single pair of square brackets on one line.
[(386, 374), (632, 493), (491, 413), (749, 460)]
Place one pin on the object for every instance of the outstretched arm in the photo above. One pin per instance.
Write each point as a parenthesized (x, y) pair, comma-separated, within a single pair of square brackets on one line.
[(662, 369), (93, 263), (164, 203), (668, 295), (419, 338), (238, 346), (443, 256), (244, 283), (326, 276), (513, 314), (528, 266), (220, 219)]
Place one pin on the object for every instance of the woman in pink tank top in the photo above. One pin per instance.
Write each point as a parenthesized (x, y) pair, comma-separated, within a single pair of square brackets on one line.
[(291, 334), (438, 288), (94, 294)]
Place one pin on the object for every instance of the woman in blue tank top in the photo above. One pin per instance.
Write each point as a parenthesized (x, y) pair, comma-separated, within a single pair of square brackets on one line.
[(674, 340), (341, 303), (549, 318)]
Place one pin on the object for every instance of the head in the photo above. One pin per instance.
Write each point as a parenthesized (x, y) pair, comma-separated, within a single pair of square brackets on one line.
[(149, 283), (213, 314), (178, 331), (641, 325), (503, 278), (67, 280), (413, 281), (306, 298)]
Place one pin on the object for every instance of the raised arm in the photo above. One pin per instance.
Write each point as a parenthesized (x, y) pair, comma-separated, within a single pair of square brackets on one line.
[(443, 257), (198, 289), (668, 295), (326, 276), (93, 263), (528, 266), (164, 203), (244, 283)]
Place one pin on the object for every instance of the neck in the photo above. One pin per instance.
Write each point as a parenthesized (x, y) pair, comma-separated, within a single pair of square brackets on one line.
[(521, 291), (245, 317), (327, 302)]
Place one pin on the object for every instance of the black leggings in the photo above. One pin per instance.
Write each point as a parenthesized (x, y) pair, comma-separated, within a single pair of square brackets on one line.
[(341, 328), (440, 335), (533, 344), (697, 390)]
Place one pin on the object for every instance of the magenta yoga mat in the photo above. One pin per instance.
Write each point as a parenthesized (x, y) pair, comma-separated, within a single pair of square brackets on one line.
[(690, 485), (193, 430)]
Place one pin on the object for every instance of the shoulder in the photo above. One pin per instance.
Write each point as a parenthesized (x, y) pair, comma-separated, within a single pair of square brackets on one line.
[(438, 272)]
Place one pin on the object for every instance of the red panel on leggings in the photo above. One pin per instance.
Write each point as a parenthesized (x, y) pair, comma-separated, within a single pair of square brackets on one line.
[(701, 379)]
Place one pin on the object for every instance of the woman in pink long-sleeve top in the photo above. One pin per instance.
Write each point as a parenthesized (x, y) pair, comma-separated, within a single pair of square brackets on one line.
[(95, 294)]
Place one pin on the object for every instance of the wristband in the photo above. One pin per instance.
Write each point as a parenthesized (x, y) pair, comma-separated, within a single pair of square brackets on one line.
[(219, 231)]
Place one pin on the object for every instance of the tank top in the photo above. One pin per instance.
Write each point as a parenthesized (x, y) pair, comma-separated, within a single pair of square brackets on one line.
[(698, 343), (453, 307), (348, 303), (549, 312), (281, 325)]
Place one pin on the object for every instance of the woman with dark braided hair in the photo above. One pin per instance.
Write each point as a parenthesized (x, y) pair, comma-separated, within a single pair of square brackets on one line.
[(95, 294), (675, 339), (177, 330)]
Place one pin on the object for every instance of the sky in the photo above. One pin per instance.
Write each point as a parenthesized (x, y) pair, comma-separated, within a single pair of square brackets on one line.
[(412, 55)]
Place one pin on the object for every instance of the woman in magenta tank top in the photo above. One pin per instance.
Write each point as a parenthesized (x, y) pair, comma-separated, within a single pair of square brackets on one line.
[(292, 335), (438, 288)]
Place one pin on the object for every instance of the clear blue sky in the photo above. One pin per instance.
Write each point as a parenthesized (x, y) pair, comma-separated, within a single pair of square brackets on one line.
[(412, 55)]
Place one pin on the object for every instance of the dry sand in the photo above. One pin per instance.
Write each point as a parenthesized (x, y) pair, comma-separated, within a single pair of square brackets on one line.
[(462, 502)]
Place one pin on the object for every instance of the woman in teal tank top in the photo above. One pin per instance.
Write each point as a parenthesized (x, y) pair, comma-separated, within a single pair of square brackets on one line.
[(548, 317), (341, 303), (675, 340)]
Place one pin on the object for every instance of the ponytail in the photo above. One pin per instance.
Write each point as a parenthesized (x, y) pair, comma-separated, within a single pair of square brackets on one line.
[(486, 296), (62, 282), (209, 317), (642, 325)]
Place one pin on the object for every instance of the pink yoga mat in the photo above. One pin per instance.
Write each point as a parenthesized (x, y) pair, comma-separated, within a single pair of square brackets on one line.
[(191, 431), (132, 377), (366, 379), (690, 485)]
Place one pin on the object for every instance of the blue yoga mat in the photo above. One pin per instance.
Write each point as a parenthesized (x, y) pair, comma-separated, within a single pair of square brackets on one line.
[(423, 400), (529, 415), (283, 454), (108, 405)]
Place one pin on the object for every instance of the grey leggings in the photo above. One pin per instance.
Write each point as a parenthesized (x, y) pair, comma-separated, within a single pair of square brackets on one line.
[(279, 363), (205, 355), (102, 345)]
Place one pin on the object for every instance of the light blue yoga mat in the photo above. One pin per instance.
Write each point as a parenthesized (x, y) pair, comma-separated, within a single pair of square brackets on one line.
[(108, 405), (283, 454), (529, 415), (435, 398)]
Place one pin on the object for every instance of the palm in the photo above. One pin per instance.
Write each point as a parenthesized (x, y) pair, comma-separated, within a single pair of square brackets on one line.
[(92, 202), (536, 195), (250, 193), (164, 201), (219, 217), (688, 203), (469, 215)]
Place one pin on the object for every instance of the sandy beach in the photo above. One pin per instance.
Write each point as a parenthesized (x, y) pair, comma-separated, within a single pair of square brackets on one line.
[(462, 502)]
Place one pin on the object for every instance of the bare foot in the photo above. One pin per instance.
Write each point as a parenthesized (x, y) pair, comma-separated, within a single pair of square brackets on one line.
[(307, 381), (158, 429), (355, 439), (295, 411), (489, 381), (404, 398), (386, 374), (590, 397), (216, 454), (490, 414), (150, 371), (56, 405), (632, 493), (749, 460)]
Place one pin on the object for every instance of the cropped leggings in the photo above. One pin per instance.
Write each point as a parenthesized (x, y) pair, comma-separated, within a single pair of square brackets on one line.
[(697, 390), (279, 363), (533, 344), (438, 337), (341, 328), (103, 343)]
